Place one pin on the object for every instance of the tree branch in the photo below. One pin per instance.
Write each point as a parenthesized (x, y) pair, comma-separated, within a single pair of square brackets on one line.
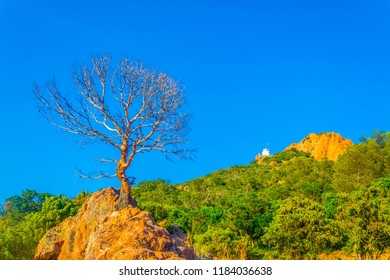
[(130, 107)]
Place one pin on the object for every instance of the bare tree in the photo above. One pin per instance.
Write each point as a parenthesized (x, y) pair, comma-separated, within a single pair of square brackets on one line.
[(129, 107)]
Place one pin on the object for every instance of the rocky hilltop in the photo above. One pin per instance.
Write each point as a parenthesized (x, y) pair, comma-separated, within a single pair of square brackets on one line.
[(324, 145), (101, 232)]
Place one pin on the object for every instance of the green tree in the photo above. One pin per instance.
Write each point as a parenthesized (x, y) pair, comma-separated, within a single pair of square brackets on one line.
[(54, 210), (381, 138), (29, 219), (303, 175), (300, 230), (16, 207), (361, 164), (364, 216), (223, 243)]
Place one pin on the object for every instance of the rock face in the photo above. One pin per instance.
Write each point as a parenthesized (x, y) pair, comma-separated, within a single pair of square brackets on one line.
[(325, 145), (100, 232)]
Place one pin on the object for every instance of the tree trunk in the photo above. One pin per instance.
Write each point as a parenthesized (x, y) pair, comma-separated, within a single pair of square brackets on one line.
[(125, 198)]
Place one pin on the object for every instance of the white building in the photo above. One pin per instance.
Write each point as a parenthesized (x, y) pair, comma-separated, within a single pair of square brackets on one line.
[(265, 153)]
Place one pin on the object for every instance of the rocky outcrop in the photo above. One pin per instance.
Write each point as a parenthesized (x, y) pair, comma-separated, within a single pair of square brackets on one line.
[(325, 145), (101, 232)]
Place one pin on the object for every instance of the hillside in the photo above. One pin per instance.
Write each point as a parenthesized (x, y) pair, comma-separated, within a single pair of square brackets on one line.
[(292, 206)]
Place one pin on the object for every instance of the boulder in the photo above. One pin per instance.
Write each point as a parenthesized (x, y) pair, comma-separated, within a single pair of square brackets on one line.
[(324, 145), (101, 232)]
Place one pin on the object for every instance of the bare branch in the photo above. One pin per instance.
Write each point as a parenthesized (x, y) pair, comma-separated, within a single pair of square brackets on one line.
[(129, 106), (94, 175), (107, 160)]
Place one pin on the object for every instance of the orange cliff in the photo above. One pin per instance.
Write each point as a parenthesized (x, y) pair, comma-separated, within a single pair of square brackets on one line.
[(101, 232), (324, 145)]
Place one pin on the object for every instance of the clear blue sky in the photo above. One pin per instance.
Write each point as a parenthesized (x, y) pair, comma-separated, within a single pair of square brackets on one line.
[(255, 72)]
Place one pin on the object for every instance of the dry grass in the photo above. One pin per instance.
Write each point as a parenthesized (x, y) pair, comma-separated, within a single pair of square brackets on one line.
[(341, 255)]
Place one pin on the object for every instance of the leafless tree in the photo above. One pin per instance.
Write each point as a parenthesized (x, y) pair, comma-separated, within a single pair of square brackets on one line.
[(130, 107)]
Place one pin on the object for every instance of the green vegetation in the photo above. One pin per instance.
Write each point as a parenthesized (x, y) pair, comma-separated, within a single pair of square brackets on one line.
[(363, 163), (25, 219), (289, 207), (364, 217), (300, 230)]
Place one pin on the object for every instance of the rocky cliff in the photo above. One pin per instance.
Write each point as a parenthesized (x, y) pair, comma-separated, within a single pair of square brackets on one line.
[(100, 232), (325, 145)]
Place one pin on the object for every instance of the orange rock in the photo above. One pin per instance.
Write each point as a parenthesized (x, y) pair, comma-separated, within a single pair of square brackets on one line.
[(259, 159), (100, 232), (324, 145)]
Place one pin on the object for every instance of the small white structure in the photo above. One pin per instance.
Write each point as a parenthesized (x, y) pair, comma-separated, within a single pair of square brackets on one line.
[(265, 153)]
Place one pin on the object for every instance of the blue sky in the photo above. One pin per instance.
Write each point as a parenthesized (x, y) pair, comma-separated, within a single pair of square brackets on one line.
[(255, 73)]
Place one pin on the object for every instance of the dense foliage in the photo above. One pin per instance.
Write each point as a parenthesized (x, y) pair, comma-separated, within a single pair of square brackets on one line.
[(363, 163), (289, 207), (25, 219)]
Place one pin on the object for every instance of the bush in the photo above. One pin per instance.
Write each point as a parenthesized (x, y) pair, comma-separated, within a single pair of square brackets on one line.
[(300, 230), (364, 217)]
